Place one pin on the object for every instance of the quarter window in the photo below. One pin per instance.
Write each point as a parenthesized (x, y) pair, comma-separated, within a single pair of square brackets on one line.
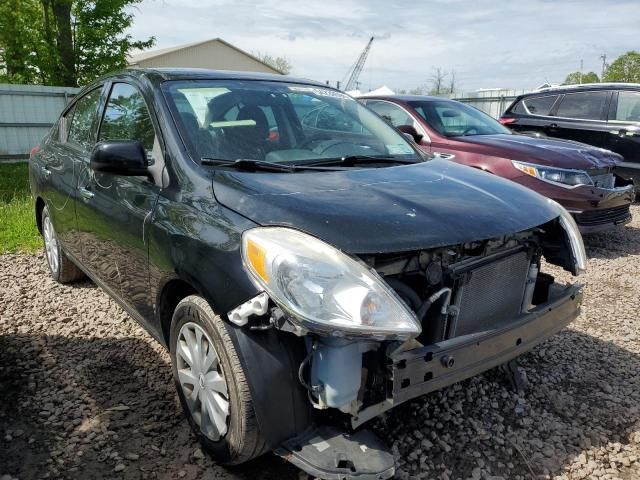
[(584, 105), (126, 117), (540, 105), (83, 116), (628, 108)]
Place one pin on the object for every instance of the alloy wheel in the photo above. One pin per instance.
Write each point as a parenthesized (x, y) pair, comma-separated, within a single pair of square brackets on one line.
[(202, 380)]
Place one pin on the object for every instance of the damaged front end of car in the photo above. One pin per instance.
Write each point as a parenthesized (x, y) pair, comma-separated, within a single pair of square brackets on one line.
[(381, 329)]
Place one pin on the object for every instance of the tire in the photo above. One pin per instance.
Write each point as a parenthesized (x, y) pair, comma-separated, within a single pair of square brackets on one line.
[(61, 268), (242, 440)]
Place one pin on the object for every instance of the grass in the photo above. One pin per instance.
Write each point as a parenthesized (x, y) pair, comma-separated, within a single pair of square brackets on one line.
[(18, 231)]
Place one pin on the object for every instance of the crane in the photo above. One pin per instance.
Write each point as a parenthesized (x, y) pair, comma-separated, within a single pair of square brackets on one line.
[(357, 69)]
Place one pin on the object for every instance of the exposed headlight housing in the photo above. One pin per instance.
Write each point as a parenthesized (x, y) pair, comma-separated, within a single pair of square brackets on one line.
[(575, 238), (563, 177), (323, 289)]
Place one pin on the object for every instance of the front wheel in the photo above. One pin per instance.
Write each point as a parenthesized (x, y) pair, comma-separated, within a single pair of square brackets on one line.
[(211, 384)]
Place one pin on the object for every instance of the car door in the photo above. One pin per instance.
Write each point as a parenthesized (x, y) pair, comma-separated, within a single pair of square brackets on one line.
[(114, 208), (60, 161), (399, 117), (581, 117), (624, 126)]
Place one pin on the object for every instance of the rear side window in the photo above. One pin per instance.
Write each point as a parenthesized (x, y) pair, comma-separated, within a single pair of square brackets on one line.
[(519, 108), (628, 107), (584, 105), (126, 117), (83, 116), (539, 105)]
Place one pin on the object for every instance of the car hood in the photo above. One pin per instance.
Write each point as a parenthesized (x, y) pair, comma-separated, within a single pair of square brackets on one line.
[(392, 209), (545, 151)]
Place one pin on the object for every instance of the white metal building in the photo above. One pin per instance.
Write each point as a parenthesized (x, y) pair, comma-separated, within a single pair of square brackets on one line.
[(215, 54)]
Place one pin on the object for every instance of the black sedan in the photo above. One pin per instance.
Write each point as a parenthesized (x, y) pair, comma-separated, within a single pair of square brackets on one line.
[(304, 279)]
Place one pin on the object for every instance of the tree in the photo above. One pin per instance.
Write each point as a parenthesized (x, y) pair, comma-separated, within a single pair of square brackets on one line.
[(452, 81), (65, 42), (417, 91), (625, 68), (19, 27), (437, 81), (281, 64), (579, 77)]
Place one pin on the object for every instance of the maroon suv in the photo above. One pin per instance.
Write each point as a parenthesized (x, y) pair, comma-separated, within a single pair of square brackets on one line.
[(578, 176)]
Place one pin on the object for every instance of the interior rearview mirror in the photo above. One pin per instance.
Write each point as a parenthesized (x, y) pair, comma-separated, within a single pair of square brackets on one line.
[(450, 114), (119, 157), (411, 131)]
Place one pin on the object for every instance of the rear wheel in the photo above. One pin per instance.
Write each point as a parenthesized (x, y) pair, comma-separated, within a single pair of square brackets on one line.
[(61, 268), (211, 384)]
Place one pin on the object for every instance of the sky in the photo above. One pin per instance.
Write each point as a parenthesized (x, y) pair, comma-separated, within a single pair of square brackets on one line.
[(487, 43)]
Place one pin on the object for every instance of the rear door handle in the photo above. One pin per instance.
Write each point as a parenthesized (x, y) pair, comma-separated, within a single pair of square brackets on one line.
[(45, 172), (86, 194), (553, 125)]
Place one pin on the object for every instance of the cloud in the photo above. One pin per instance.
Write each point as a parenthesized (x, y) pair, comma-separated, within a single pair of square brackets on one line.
[(488, 43)]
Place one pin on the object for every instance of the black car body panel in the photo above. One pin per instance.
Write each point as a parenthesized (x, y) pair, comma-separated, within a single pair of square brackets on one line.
[(151, 241), (356, 210), (610, 118)]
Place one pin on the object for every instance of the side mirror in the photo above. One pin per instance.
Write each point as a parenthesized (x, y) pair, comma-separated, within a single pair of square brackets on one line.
[(119, 157), (411, 131)]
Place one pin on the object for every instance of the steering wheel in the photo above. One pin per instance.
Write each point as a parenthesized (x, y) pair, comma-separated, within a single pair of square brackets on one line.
[(468, 130), (314, 138)]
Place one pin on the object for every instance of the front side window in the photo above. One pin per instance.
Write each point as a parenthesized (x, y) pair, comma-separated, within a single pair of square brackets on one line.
[(126, 117), (540, 105), (278, 122), (84, 114), (583, 105), (628, 107), (393, 114), (454, 119)]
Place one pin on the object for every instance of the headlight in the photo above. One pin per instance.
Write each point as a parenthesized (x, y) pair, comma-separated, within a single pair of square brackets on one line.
[(562, 176), (323, 289), (575, 238)]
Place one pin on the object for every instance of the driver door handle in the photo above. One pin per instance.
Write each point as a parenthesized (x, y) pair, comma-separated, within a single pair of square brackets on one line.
[(86, 193)]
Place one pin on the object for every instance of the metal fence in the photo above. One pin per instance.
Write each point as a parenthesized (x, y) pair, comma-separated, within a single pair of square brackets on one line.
[(26, 114), (492, 102)]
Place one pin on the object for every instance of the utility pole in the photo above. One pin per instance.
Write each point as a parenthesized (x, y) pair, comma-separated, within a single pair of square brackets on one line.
[(603, 57), (581, 67)]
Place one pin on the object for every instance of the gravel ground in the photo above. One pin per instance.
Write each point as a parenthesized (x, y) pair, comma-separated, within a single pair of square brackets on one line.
[(86, 393)]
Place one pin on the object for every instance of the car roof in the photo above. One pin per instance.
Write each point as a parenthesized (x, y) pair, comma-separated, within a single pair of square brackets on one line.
[(158, 75), (585, 86)]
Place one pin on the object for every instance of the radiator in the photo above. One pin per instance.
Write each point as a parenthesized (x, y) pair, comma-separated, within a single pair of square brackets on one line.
[(490, 294)]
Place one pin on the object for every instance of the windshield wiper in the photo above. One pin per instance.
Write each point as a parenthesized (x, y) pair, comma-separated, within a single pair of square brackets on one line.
[(247, 164), (351, 160)]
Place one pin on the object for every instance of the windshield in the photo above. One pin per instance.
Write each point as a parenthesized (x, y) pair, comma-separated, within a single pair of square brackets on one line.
[(453, 119), (279, 122)]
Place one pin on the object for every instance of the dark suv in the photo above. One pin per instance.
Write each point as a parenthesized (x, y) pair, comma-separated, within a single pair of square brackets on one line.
[(304, 279), (606, 115)]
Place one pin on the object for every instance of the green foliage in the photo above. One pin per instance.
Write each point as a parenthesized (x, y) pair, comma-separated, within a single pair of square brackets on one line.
[(101, 46), (579, 77), (64, 42), (18, 232), (20, 51), (625, 68)]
